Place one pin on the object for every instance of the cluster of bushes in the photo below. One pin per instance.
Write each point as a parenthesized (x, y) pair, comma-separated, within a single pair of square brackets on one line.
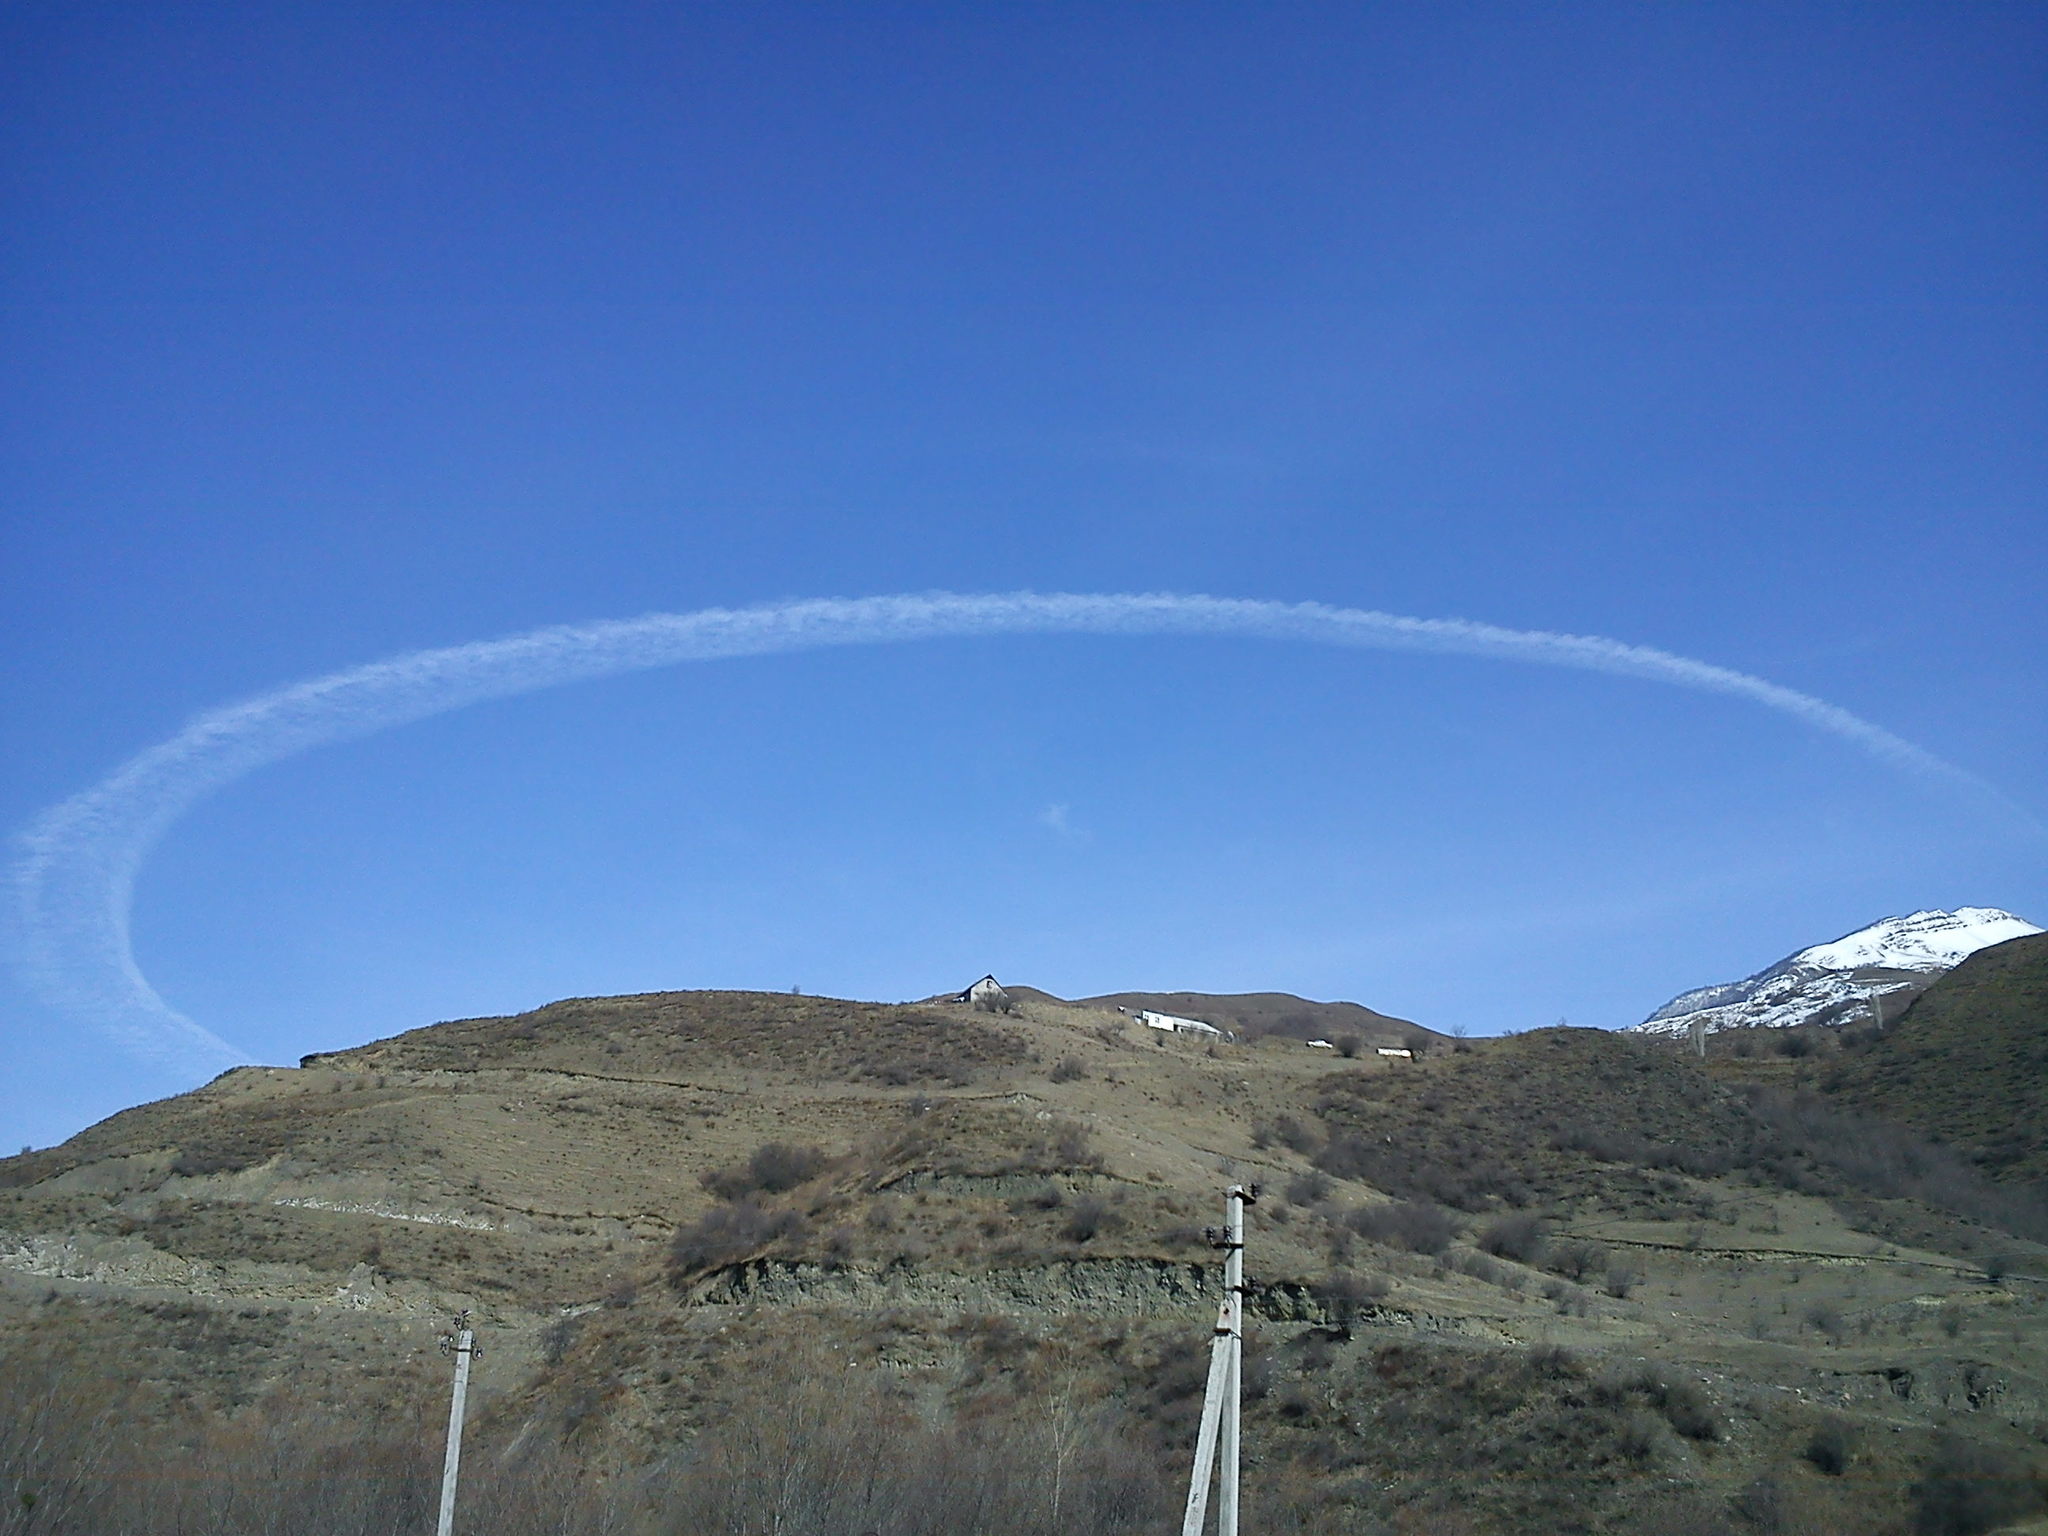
[(1420, 1226), (743, 1224), (725, 1235), (773, 1169), (1456, 1169), (1610, 1144), (1889, 1162), (802, 1447)]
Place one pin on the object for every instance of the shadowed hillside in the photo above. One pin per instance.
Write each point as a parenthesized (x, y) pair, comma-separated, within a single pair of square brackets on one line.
[(1967, 1064)]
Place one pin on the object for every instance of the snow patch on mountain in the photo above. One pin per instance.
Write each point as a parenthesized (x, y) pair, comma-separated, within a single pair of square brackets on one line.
[(1845, 980)]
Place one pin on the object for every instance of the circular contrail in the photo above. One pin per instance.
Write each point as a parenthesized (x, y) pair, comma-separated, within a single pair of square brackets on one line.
[(74, 882)]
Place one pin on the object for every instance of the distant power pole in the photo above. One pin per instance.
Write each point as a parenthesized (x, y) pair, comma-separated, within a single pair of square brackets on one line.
[(1220, 1402), (462, 1345)]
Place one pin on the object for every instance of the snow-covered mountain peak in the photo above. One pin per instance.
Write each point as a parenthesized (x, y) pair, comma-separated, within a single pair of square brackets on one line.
[(1845, 979), (1925, 941)]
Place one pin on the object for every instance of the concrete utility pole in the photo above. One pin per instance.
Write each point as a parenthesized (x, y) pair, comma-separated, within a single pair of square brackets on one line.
[(462, 1345), (1220, 1402)]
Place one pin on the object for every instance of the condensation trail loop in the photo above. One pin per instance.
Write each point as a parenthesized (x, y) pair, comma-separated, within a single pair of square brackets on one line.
[(75, 879)]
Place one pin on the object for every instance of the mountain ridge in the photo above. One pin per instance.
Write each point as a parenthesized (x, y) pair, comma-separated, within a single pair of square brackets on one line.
[(1838, 981)]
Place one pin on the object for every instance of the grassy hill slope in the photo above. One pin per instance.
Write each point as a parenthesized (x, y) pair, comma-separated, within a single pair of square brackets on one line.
[(1967, 1064), (1563, 1281)]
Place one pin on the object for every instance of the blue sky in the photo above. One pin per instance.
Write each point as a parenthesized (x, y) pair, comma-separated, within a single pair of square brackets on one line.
[(331, 333)]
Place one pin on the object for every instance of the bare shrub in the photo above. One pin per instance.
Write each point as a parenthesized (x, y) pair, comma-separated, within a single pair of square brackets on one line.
[(1421, 1226), (1519, 1237), (1621, 1279), (775, 1168), (1047, 1197), (1085, 1218), (1294, 1136), (556, 1338), (1824, 1317), (726, 1234), (1068, 1069), (1578, 1259), (1886, 1161), (55, 1443), (1346, 1291), (1311, 1188), (1831, 1446), (1637, 1438), (1348, 1046), (197, 1162), (1686, 1408), (1966, 1489)]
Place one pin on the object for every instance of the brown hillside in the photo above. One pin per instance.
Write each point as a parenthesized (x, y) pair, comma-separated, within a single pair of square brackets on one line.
[(1272, 1013), (1967, 1064), (717, 1242)]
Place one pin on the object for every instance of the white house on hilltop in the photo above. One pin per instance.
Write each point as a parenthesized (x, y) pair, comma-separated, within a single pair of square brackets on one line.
[(1171, 1022), (986, 994)]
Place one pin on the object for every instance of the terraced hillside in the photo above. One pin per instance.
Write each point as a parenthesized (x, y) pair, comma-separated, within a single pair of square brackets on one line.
[(715, 1242)]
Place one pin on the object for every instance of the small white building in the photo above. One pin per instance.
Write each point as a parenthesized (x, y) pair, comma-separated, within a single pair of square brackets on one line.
[(1171, 1022), (986, 994)]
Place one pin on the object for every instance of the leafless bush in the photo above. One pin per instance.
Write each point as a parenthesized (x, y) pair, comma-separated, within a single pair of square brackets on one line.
[(1346, 1291), (1311, 1188), (1686, 1408), (1889, 1162), (1519, 1237), (1417, 1225), (1047, 1197), (556, 1337), (1073, 1147), (1465, 1172), (774, 1169), (1348, 1046), (1085, 1218), (1068, 1069), (1966, 1489), (725, 1235), (56, 1438), (1293, 1135), (1578, 1259), (1824, 1317), (1832, 1445)]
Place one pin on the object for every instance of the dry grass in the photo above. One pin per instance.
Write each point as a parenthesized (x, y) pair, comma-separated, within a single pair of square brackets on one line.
[(986, 1209)]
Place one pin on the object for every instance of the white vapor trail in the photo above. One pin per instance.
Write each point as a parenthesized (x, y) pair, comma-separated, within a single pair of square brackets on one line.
[(75, 879)]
